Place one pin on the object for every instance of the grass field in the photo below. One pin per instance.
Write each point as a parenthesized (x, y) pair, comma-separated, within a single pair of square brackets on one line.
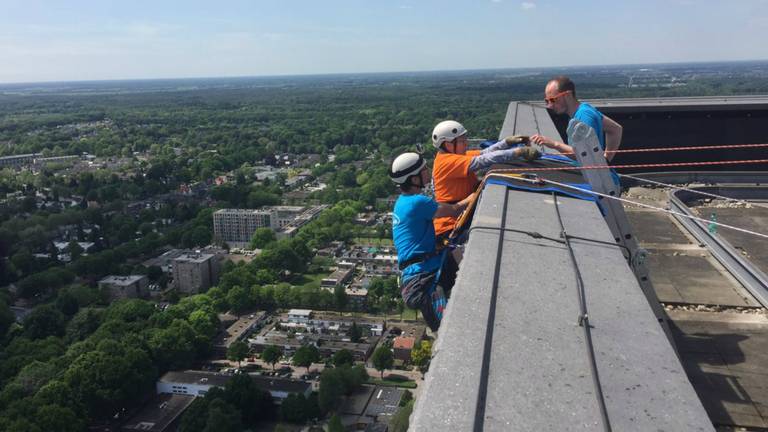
[(365, 241), (309, 280), (392, 383)]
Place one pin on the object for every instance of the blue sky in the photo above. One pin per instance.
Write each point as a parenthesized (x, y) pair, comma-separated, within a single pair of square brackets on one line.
[(46, 40)]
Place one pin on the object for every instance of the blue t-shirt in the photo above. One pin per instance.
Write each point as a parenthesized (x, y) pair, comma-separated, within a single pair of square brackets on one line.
[(414, 233), (593, 118)]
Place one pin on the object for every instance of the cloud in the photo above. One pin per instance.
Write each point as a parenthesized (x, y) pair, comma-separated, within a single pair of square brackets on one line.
[(527, 5), (495, 1), (406, 7)]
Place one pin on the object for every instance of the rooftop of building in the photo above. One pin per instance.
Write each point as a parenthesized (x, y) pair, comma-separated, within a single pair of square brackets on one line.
[(196, 377), (159, 413), (516, 300), (122, 280), (194, 257)]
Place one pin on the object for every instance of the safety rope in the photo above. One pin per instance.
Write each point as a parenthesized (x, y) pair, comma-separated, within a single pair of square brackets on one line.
[(695, 191), (661, 165), (672, 149), (583, 320), (639, 204)]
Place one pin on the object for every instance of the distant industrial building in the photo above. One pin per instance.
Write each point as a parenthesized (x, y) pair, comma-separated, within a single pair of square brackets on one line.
[(194, 272), (123, 287)]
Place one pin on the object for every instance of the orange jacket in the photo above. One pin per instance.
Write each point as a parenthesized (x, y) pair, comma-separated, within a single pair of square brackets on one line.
[(453, 182)]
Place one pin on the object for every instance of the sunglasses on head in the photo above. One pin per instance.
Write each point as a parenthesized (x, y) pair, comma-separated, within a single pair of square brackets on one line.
[(553, 99)]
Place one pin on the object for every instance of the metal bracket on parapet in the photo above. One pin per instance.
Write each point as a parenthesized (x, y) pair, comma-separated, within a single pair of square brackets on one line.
[(586, 147)]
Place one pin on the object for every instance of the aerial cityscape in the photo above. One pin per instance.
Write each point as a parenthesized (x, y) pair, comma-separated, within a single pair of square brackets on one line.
[(401, 216), (217, 254)]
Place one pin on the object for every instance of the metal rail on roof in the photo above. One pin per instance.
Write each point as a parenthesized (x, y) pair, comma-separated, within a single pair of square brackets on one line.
[(754, 280)]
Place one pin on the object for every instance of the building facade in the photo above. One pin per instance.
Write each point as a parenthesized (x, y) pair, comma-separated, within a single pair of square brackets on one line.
[(195, 272), (123, 287)]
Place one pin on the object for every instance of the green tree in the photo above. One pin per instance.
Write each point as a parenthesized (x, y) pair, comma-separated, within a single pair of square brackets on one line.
[(222, 417), (305, 356), (331, 389), (238, 299), (399, 421), (67, 303), (238, 351), (297, 408), (6, 318), (154, 273), (421, 355), (262, 238), (354, 332), (254, 403), (44, 321), (271, 355), (58, 418), (382, 359), (75, 250), (343, 357), (340, 297), (335, 425)]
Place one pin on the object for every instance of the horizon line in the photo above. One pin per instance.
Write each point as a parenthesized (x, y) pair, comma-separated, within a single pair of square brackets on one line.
[(331, 74)]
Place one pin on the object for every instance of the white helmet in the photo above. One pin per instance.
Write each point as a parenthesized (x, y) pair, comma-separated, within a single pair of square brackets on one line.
[(406, 165), (447, 130)]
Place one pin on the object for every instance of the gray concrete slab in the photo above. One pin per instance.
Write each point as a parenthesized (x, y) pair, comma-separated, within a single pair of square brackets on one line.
[(727, 365), (538, 375), (689, 278), (655, 227)]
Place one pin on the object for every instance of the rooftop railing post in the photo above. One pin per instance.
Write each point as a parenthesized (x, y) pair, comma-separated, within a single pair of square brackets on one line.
[(586, 147)]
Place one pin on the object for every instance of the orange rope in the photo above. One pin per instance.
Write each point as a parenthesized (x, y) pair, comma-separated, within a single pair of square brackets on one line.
[(662, 165), (668, 149)]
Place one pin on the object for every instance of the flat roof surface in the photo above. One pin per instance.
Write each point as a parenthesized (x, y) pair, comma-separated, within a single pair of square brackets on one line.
[(537, 375), (720, 329), (281, 384), (384, 401), (122, 280), (159, 413), (196, 377)]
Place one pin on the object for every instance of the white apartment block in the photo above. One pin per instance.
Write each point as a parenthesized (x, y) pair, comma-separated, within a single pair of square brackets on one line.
[(236, 226)]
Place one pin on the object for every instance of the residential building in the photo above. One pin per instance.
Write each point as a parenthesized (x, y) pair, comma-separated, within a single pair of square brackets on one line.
[(299, 316), (16, 161), (402, 347), (161, 414), (341, 276), (194, 272), (123, 287), (239, 330), (198, 383), (236, 226)]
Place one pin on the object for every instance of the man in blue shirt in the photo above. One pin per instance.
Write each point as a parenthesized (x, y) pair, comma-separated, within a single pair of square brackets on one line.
[(427, 272), (560, 96)]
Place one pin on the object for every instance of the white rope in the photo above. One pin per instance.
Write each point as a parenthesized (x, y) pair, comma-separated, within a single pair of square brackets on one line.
[(740, 201), (702, 220)]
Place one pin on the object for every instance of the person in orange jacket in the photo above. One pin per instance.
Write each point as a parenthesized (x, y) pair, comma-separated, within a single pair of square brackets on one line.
[(454, 171)]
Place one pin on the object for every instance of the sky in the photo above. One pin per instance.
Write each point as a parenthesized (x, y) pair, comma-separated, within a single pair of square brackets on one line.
[(73, 40)]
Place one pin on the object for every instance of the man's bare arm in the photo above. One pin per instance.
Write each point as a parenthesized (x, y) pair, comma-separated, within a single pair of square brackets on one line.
[(558, 146), (613, 132), (452, 210)]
